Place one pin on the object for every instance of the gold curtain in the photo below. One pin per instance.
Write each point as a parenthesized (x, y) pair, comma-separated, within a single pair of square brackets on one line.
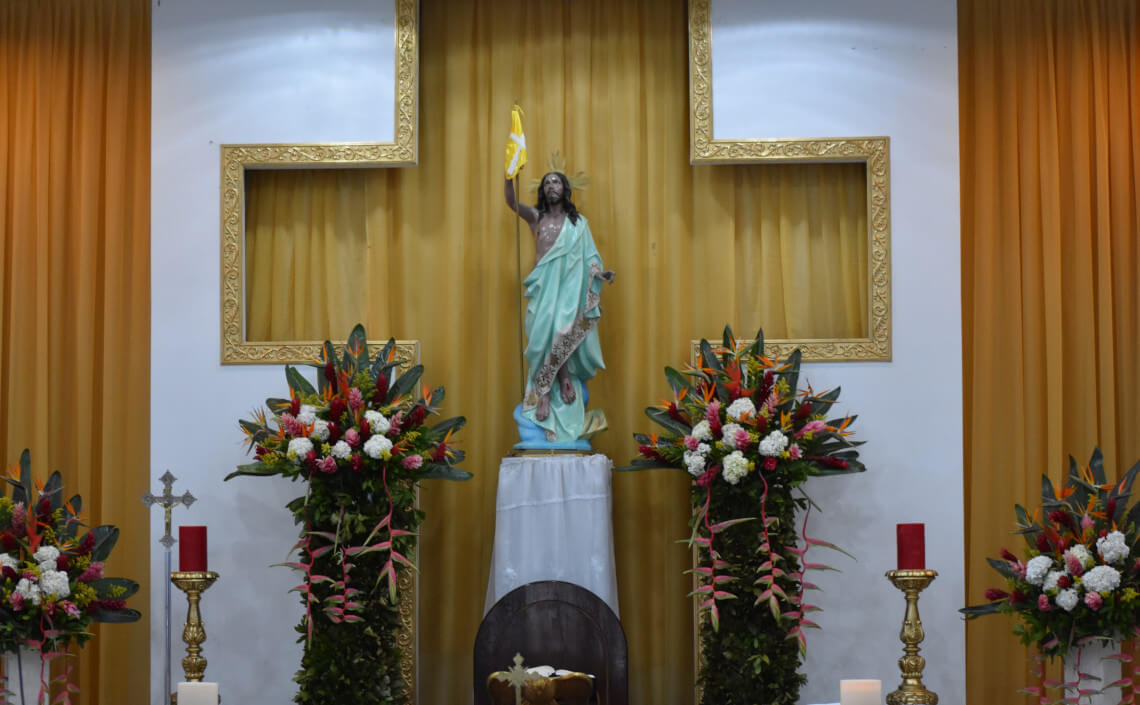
[(434, 259), (74, 283), (1050, 149)]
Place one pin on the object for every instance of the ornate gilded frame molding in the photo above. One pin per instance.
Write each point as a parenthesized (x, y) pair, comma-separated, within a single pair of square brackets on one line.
[(873, 152), (237, 158)]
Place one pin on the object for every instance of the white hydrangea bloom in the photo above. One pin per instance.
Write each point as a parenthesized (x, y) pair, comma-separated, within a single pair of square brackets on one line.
[(307, 414), (730, 431), (321, 430), (702, 431), (740, 407), (341, 450), (1051, 579), (377, 422), (378, 447), (1112, 547), (1037, 568), (28, 590), (45, 554), (1082, 554), (695, 462), (1102, 578), (47, 566), (54, 584), (299, 448), (703, 448), (735, 467), (773, 444), (1067, 599), (7, 561)]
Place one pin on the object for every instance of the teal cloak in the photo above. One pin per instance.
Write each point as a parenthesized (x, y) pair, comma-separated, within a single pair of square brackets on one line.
[(563, 307)]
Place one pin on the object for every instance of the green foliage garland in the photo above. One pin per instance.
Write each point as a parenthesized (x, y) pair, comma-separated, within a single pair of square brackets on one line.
[(750, 439), (361, 444)]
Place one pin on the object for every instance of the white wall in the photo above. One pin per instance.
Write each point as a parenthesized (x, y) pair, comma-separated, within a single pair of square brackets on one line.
[(276, 71), (254, 71), (827, 68)]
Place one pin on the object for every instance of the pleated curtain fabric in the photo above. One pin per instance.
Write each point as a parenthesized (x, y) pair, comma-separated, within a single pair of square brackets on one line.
[(74, 284), (1050, 149), (434, 258)]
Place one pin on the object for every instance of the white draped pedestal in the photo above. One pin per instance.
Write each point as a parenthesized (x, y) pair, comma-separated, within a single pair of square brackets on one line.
[(553, 521)]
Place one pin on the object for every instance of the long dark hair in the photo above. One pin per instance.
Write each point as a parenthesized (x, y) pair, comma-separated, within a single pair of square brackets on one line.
[(542, 206)]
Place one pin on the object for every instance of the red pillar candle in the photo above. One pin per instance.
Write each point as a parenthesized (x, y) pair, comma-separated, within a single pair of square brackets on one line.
[(191, 548), (912, 546)]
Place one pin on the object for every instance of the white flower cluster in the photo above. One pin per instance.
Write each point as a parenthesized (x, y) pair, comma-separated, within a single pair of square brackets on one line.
[(740, 408), (308, 414), (378, 447), (341, 450), (1037, 568), (321, 430), (45, 554), (54, 584), (773, 444), (7, 561), (298, 449), (695, 459), (1051, 579), (702, 431), (1102, 578), (1082, 554), (729, 433), (735, 467), (1112, 547), (28, 590), (1067, 599), (377, 422)]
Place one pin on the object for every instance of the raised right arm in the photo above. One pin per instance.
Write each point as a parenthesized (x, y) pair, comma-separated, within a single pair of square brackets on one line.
[(528, 213)]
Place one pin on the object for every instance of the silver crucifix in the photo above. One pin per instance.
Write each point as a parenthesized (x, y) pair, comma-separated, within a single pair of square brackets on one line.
[(168, 501)]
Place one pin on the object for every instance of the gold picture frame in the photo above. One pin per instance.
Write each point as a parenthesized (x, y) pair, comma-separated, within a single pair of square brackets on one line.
[(873, 152), (237, 158)]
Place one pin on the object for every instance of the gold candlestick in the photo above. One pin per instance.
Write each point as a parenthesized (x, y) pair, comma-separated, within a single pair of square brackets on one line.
[(193, 583), (911, 691)]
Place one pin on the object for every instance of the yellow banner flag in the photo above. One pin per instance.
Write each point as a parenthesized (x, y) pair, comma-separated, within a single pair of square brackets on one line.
[(516, 144)]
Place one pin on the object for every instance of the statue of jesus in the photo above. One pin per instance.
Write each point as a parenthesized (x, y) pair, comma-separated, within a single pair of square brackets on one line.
[(563, 307)]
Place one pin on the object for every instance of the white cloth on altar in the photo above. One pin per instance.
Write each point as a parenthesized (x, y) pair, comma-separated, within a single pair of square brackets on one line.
[(554, 521)]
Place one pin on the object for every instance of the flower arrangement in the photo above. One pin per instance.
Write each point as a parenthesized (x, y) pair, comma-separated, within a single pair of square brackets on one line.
[(1080, 576), (750, 438), (359, 439), (52, 583)]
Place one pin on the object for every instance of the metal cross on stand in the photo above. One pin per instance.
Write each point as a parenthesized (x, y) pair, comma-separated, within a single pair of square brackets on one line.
[(168, 501), (517, 676)]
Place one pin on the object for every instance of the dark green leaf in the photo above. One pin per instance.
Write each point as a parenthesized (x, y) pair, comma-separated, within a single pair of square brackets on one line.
[(297, 382), (406, 382), (1002, 567), (662, 417), (257, 469), (105, 538), (1096, 464), (123, 616), (982, 610), (20, 490), (677, 381), (792, 374), (440, 430), (643, 464), (441, 471), (103, 587), (358, 339), (53, 490)]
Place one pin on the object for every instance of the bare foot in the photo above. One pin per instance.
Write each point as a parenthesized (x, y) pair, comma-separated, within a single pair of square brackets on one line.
[(568, 394), (543, 408)]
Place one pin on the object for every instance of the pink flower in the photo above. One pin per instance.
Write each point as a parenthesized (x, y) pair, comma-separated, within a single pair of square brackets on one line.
[(1019, 568), (412, 462), (1043, 603), (327, 464), (813, 426), (19, 519), (17, 601), (708, 476), (1073, 564), (71, 610), (292, 426), (352, 437), (691, 443), (355, 399), (770, 464), (794, 452), (1087, 522), (1094, 600), (395, 423), (93, 572), (30, 576), (712, 414)]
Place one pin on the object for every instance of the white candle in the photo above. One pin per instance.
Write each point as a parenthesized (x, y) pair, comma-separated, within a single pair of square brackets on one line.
[(851, 692), (197, 694)]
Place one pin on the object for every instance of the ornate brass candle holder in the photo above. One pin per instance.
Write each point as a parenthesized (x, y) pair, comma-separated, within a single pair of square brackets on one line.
[(193, 583), (911, 691)]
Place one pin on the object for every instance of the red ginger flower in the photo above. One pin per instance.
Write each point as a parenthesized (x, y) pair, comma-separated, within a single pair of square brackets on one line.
[(1017, 596), (1043, 544), (1007, 555), (440, 453), (336, 409), (708, 476), (649, 452), (417, 416), (381, 393), (1064, 582), (803, 412), (994, 594), (330, 372), (295, 406)]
